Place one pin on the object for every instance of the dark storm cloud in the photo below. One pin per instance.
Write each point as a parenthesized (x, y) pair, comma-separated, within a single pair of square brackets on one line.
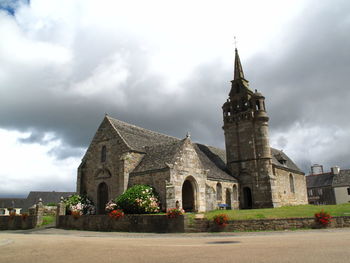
[(309, 80), (308, 83), (305, 82)]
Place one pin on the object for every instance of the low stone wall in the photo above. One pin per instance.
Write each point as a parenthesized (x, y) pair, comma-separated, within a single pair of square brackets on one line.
[(162, 224), (17, 222), (204, 225), (129, 223)]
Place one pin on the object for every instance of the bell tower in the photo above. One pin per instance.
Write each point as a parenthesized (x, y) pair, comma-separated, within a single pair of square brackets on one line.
[(247, 144)]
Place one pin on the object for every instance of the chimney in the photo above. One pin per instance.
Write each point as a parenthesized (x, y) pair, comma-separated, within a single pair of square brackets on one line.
[(317, 169), (335, 169)]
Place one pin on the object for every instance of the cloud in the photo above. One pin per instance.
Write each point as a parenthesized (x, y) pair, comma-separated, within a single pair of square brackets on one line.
[(64, 65)]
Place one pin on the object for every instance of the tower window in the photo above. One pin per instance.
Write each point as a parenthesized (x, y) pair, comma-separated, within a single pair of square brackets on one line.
[(257, 105), (103, 154)]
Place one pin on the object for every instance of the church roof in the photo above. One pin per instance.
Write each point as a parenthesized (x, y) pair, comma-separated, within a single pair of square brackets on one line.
[(160, 150), (280, 159), (138, 138)]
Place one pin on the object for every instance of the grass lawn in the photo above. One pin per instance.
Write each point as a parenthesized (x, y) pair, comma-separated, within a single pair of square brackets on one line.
[(283, 212), (48, 220)]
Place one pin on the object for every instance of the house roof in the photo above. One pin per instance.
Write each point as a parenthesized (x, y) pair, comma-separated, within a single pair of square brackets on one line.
[(279, 156), (342, 179), (319, 180), (12, 202), (46, 197), (329, 179)]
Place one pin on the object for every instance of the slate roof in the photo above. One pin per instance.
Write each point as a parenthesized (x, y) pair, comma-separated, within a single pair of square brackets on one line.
[(342, 179), (46, 197), (138, 138), (157, 156), (211, 159), (12, 202), (278, 155), (319, 180), (161, 149), (33, 198), (329, 179)]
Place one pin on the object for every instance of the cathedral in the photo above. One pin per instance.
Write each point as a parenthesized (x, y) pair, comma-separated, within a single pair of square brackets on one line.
[(193, 176)]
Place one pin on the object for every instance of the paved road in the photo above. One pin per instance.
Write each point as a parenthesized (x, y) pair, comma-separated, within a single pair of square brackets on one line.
[(54, 245)]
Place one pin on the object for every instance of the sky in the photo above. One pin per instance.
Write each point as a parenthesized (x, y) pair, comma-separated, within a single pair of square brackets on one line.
[(165, 66)]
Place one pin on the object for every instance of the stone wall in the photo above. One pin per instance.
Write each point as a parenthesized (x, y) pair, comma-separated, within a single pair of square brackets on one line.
[(129, 223), (204, 225), (162, 224), (285, 195), (227, 188), (24, 221), (17, 222)]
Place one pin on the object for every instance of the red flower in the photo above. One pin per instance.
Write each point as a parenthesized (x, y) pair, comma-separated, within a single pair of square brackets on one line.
[(116, 214), (323, 218), (221, 220), (174, 212)]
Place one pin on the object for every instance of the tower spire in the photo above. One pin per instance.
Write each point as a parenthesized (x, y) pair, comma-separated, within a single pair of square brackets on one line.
[(238, 67)]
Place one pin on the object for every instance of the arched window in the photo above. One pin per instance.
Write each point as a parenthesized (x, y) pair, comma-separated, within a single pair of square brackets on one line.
[(257, 105), (291, 183), (218, 192), (103, 154), (235, 193)]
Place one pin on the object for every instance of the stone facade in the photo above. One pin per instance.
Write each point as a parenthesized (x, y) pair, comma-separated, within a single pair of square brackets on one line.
[(196, 177), (122, 155), (249, 156)]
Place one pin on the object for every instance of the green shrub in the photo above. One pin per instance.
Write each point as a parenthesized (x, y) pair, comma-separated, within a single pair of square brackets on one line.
[(139, 199)]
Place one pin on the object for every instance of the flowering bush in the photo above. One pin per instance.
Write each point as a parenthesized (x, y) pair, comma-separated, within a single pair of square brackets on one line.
[(139, 199), (175, 212), (221, 220), (79, 204), (116, 214), (110, 206), (323, 218)]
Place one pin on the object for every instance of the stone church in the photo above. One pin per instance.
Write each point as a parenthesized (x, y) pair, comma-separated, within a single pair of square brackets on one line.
[(196, 177)]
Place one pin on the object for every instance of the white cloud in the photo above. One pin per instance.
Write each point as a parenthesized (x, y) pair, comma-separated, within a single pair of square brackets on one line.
[(29, 167)]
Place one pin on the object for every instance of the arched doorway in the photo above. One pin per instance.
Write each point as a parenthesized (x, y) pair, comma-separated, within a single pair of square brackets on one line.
[(228, 198), (247, 201), (102, 198), (188, 196)]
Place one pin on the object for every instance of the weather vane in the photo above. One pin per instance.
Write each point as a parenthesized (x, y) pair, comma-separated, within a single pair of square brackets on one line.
[(235, 41)]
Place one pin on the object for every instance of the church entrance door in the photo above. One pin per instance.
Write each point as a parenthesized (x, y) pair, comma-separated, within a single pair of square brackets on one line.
[(247, 195), (102, 198), (188, 194)]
